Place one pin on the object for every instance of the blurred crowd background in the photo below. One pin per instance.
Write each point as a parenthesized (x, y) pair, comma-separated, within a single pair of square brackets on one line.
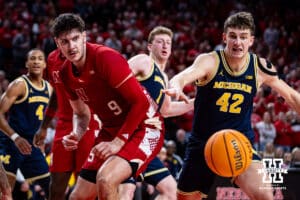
[(197, 25)]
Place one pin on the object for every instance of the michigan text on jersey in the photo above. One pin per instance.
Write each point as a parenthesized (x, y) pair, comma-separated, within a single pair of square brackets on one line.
[(234, 86)]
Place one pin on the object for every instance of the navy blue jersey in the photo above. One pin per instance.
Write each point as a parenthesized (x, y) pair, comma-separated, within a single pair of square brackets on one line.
[(226, 100), (154, 84), (26, 114)]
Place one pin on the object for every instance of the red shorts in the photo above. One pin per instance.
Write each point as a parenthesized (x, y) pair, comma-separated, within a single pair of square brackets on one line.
[(144, 144), (62, 160)]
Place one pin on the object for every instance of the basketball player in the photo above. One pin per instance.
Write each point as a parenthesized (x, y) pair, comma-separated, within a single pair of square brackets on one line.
[(149, 70), (227, 81), (63, 163), (25, 100), (99, 77), (5, 190)]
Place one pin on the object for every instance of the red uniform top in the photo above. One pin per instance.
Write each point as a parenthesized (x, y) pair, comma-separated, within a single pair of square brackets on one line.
[(54, 65), (109, 88)]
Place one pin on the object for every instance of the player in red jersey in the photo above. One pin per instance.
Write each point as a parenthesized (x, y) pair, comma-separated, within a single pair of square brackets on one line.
[(63, 162), (98, 77)]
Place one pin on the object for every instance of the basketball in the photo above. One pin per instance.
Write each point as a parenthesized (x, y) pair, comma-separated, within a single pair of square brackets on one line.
[(228, 153)]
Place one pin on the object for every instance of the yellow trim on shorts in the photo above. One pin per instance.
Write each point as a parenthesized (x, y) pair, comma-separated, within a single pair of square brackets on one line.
[(31, 180), (156, 172)]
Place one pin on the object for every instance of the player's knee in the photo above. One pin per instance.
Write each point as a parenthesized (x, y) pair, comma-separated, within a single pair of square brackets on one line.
[(167, 188), (75, 195), (126, 191)]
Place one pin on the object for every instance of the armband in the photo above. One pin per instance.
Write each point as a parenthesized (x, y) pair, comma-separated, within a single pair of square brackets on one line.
[(265, 70), (14, 136)]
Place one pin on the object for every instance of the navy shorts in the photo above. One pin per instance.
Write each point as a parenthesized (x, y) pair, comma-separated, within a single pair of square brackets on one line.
[(154, 173), (32, 166)]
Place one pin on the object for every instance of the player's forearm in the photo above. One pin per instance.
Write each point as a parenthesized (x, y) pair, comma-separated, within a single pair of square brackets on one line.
[(177, 108), (5, 127), (81, 123), (135, 96), (50, 111)]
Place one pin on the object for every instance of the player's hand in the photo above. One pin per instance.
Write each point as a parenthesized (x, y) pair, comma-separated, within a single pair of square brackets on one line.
[(23, 145), (39, 137), (105, 149), (70, 141), (177, 94)]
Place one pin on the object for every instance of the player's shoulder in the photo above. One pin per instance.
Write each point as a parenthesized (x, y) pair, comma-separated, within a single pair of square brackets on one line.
[(17, 85), (140, 59), (207, 59)]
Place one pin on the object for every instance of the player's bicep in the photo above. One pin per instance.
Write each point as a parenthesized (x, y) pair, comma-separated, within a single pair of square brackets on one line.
[(15, 90)]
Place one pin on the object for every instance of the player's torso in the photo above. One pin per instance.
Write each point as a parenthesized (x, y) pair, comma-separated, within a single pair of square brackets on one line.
[(92, 87), (226, 100), (154, 84), (26, 114)]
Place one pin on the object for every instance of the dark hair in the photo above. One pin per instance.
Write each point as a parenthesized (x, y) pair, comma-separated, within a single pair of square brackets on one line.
[(66, 22), (32, 50), (241, 20)]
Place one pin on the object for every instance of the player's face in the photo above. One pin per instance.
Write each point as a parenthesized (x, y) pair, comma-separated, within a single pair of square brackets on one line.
[(238, 42), (72, 45), (36, 62), (160, 47)]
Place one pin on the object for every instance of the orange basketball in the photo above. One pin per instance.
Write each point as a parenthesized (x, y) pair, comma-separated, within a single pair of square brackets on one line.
[(228, 153)]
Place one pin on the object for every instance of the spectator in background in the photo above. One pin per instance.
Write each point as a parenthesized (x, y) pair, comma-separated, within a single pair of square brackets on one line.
[(21, 44), (3, 82), (283, 133), (269, 150), (173, 161), (113, 42), (266, 130), (181, 142)]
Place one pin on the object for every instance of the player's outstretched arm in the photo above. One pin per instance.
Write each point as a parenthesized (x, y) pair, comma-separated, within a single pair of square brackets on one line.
[(291, 96), (200, 70)]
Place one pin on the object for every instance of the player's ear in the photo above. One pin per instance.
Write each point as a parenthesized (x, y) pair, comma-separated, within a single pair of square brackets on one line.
[(56, 41), (149, 46), (224, 37), (251, 40), (84, 36)]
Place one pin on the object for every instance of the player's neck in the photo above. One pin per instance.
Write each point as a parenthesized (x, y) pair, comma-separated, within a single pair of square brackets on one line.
[(36, 80), (236, 64)]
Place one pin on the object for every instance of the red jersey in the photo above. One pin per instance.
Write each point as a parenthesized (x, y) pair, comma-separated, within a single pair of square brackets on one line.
[(106, 85), (54, 65)]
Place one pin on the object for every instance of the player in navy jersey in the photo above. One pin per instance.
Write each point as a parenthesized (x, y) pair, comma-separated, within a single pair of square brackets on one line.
[(227, 81), (150, 72), (98, 78), (25, 101)]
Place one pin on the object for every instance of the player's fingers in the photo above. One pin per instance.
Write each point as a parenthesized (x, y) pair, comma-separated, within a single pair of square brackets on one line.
[(173, 92), (184, 98)]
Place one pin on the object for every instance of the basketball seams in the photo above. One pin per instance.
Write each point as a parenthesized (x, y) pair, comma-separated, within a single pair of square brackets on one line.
[(211, 155), (244, 149), (227, 153)]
